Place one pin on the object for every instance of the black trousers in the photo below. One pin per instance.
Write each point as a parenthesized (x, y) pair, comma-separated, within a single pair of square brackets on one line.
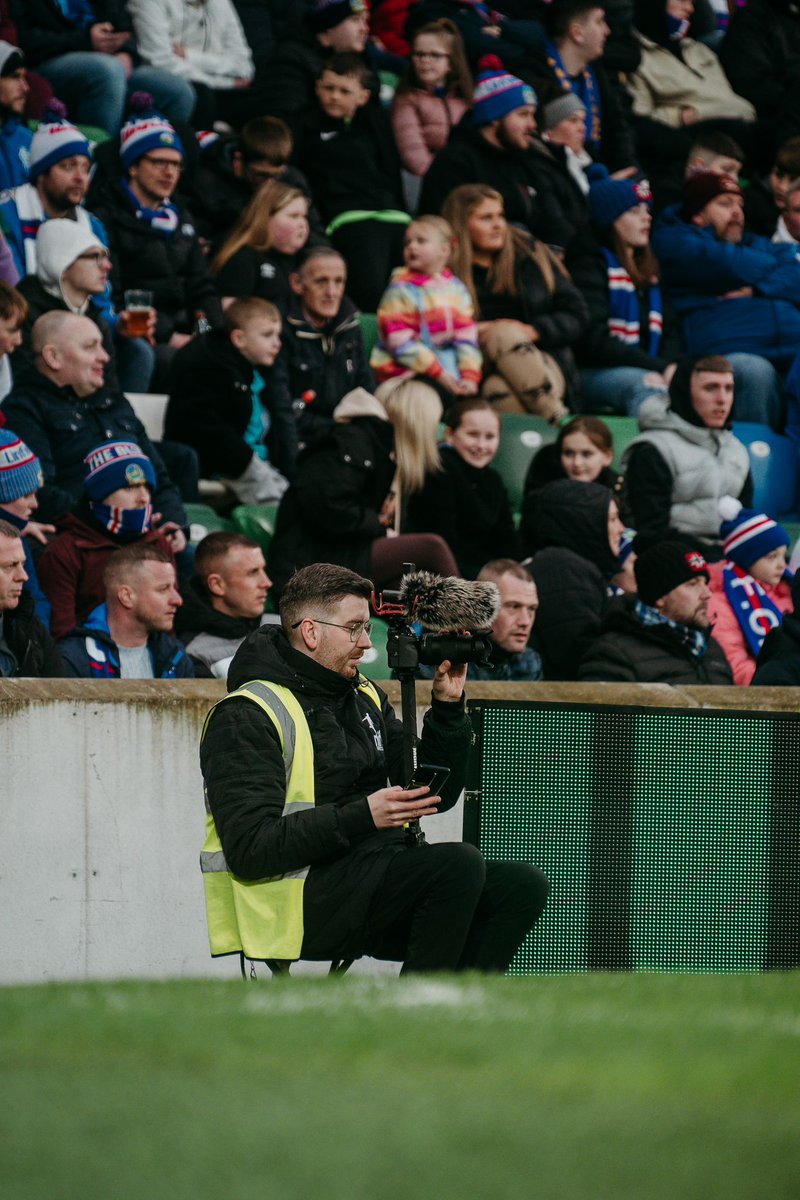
[(443, 907)]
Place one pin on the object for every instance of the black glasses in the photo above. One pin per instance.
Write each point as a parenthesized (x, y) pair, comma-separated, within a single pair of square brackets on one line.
[(355, 630), (163, 163), (96, 256)]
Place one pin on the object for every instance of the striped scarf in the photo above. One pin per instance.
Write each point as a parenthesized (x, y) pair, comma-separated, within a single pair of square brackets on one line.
[(163, 220), (755, 611), (584, 86), (695, 640), (623, 307)]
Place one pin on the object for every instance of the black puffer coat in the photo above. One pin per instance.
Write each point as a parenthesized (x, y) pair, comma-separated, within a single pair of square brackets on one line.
[(30, 643), (625, 651), (778, 662), (330, 513), (566, 526), (357, 750)]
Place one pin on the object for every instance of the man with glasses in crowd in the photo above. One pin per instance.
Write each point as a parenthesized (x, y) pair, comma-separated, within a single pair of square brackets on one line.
[(308, 852), (153, 242)]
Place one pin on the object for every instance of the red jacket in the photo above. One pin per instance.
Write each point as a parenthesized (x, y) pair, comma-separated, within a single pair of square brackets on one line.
[(71, 570)]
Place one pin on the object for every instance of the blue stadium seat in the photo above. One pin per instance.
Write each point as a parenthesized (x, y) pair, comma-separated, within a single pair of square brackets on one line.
[(774, 465), (521, 435)]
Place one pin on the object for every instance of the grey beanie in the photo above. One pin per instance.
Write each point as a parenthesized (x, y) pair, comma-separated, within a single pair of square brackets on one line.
[(559, 109)]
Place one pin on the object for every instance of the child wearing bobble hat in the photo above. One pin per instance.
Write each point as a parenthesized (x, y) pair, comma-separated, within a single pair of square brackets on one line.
[(751, 588)]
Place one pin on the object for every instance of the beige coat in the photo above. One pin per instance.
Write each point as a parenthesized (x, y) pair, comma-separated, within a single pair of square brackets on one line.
[(664, 85)]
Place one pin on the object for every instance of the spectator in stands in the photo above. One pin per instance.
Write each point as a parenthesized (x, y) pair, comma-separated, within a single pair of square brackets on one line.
[(433, 97), (333, 27), (663, 635), (130, 635), (732, 289), (153, 244), (528, 311), (577, 33), (86, 49), (62, 409), (687, 461), (219, 405), (223, 602), (20, 479), (13, 314), (583, 451), (264, 247), (778, 663), (233, 167), (760, 55), (563, 123), (40, 92), (485, 30), (348, 154), (15, 136), (26, 648), (465, 501), (714, 151), (573, 531), (322, 355), (348, 497), (511, 659), (765, 199), (115, 510), (788, 227), (72, 270), (206, 48), (751, 589), (426, 318)]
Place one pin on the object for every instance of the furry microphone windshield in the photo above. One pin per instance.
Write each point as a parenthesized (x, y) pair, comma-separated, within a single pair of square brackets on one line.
[(445, 602)]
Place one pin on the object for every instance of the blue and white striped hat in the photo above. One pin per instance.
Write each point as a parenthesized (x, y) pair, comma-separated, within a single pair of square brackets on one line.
[(54, 140), (20, 469), (497, 93)]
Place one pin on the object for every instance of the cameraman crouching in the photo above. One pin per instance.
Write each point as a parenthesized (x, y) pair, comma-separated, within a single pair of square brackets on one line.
[(317, 864)]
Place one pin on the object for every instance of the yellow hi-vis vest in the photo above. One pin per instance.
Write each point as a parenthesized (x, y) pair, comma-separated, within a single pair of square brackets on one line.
[(264, 917)]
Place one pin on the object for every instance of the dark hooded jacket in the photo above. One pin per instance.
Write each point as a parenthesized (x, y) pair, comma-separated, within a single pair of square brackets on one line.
[(330, 512), (207, 634), (649, 483), (760, 54), (778, 662), (626, 651), (565, 527), (358, 749), (30, 643)]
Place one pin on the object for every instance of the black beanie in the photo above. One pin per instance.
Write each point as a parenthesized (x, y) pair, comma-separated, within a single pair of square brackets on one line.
[(664, 566)]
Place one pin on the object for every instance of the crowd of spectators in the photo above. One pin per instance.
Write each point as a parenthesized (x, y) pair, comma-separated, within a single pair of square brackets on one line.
[(561, 208)]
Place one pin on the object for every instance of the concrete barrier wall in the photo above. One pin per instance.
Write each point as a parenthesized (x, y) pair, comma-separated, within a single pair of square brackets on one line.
[(102, 818)]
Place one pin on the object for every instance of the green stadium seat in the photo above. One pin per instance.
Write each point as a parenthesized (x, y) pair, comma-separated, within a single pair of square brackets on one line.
[(624, 430), (369, 331), (256, 521), (202, 520), (521, 435)]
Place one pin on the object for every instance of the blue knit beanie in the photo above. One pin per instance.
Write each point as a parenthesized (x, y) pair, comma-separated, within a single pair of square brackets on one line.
[(145, 130), (610, 198), (116, 464), (54, 140), (20, 469), (497, 93), (750, 536)]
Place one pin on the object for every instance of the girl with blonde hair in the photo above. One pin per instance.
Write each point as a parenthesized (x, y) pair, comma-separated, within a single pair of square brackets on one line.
[(264, 247)]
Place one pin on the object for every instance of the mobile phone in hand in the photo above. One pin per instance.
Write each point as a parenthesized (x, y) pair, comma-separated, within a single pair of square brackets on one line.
[(430, 776)]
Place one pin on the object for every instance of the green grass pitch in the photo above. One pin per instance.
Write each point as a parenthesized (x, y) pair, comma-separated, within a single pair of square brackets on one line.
[(626, 1087)]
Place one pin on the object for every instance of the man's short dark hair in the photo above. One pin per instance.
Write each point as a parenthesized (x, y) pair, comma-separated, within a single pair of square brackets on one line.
[(127, 560), (350, 64), (787, 160), (562, 13), (214, 548), (718, 143), (318, 589), (713, 362), (266, 139), (8, 530), (315, 252)]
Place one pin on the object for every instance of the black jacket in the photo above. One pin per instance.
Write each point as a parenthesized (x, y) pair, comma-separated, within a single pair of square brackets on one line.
[(41, 301), (173, 268), (565, 526), (778, 663), (197, 617), (328, 362), (330, 513), (512, 47), (30, 643), (44, 32), (210, 406), (625, 651), (357, 748), (469, 508), (62, 428), (350, 166), (760, 54), (262, 273)]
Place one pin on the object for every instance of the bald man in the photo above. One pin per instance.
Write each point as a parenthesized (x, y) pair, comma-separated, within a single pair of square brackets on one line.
[(62, 409)]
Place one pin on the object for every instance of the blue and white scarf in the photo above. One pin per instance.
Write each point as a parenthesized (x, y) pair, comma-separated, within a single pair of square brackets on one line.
[(585, 87), (164, 220), (756, 612), (623, 307), (695, 640)]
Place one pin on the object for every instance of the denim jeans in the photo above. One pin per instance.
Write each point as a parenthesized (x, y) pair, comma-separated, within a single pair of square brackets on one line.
[(94, 88)]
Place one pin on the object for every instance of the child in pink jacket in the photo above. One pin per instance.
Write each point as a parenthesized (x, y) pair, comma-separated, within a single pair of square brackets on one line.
[(434, 96), (751, 588)]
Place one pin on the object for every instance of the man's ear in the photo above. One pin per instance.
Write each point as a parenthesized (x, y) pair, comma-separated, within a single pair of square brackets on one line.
[(659, 604), (215, 583), (699, 220), (295, 283), (126, 596), (237, 164)]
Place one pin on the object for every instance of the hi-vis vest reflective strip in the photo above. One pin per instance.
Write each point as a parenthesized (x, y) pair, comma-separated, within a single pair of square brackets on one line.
[(264, 917)]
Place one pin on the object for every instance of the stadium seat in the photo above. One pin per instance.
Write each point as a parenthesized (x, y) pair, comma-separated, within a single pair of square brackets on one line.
[(624, 430), (256, 521), (521, 435), (774, 464), (151, 409), (375, 662), (369, 331), (202, 520)]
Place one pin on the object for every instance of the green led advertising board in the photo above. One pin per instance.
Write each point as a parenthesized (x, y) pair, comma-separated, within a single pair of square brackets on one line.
[(671, 837)]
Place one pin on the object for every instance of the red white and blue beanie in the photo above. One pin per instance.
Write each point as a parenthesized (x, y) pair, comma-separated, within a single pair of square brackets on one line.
[(497, 93), (54, 140), (325, 14), (20, 469), (116, 464), (750, 536), (145, 130), (610, 198)]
